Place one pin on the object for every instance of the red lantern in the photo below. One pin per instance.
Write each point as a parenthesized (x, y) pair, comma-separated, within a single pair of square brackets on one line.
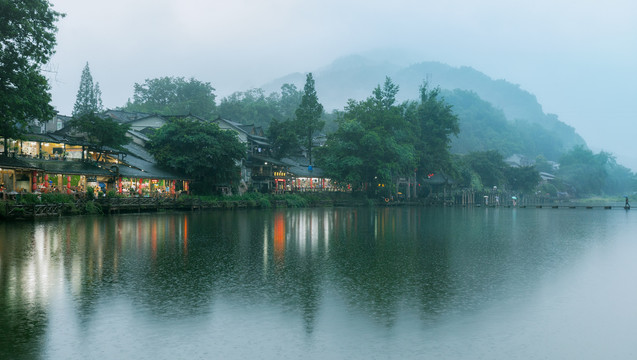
[(34, 179), (46, 180), (119, 185), (68, 182)]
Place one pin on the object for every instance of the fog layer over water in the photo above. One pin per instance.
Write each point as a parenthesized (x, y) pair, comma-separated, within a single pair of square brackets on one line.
[(322, 283)]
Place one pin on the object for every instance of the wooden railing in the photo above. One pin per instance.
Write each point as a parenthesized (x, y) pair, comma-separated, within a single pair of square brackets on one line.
[(33, 210)]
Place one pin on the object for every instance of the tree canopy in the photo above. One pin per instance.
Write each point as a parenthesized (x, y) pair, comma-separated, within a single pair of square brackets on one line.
[(283, 136), (27, 41), (199, 149), (174, 96), (435, 123), (372, 144), (101, 131), (584, 170)]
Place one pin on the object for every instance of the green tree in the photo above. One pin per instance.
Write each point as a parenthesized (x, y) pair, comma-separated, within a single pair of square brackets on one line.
[(620, 180), (27, 41), (524, 178), (308, 115), (372, 144), (543, 165), (489, 166), (100, 131), (174, 96), (283, 138), (584, 170), (435, 123), (288, 101), (89, 95), (198, 149)]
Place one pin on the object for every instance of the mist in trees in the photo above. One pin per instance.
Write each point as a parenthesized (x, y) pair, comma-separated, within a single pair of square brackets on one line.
[(255, 107), (174, 96)]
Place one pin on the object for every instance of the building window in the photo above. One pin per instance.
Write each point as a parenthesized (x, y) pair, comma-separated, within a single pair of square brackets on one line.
[(59, 125)]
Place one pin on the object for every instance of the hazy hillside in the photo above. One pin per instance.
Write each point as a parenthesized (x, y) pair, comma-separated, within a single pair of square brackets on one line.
[(356, 76)]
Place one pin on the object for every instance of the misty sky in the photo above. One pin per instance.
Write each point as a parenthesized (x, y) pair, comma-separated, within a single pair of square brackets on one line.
[(578, 57)]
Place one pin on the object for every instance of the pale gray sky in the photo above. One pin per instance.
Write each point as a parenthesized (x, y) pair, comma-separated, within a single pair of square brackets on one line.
[(578, 57)]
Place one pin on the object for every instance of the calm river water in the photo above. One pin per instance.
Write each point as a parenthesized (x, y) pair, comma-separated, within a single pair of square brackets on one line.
[(336, 283)]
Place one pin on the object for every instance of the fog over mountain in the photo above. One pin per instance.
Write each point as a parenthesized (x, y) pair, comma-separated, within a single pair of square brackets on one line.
[(355, 76)]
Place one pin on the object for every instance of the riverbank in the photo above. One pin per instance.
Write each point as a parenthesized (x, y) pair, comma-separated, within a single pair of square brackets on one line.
[(31, 206)]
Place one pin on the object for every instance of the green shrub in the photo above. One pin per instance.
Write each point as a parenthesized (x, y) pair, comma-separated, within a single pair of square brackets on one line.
[(29, 198), (296, 201), (111, 194), (56, 198), (92, 207)]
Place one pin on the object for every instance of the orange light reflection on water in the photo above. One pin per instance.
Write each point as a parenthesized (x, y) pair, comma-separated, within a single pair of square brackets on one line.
[(279, 237)]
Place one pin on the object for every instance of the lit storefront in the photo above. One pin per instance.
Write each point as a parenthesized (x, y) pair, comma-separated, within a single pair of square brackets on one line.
[(281, 181)]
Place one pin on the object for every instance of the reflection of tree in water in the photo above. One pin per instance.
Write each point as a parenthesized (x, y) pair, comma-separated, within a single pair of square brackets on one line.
[(23, 316), (371, 262), (283, 270)]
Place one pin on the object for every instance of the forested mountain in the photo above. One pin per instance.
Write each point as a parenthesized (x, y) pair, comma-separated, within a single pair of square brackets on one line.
[(494, 114)]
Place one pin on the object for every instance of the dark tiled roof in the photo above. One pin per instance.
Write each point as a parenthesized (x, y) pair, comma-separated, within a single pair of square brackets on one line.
[(142, 164), (299, 167), (126, 116), (13, 163)]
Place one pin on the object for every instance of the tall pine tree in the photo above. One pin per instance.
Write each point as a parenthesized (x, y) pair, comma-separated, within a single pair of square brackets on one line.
[(98, 130), (308, 115), (89, 96)]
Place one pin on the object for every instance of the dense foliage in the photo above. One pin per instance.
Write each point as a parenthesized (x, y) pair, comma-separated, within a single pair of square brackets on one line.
[(27, 39), (174, 96), (101, 131), (284, 139), (198, 149), (435, 124), (372, 144)]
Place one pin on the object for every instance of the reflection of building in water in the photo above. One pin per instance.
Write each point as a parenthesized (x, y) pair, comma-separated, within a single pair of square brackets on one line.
[(304, 233), (76, 253)]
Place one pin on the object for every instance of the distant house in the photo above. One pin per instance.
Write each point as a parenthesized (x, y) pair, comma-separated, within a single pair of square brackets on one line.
[(252, 136), (141, 124), (58, 122), (517, 160), (258, 167)]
